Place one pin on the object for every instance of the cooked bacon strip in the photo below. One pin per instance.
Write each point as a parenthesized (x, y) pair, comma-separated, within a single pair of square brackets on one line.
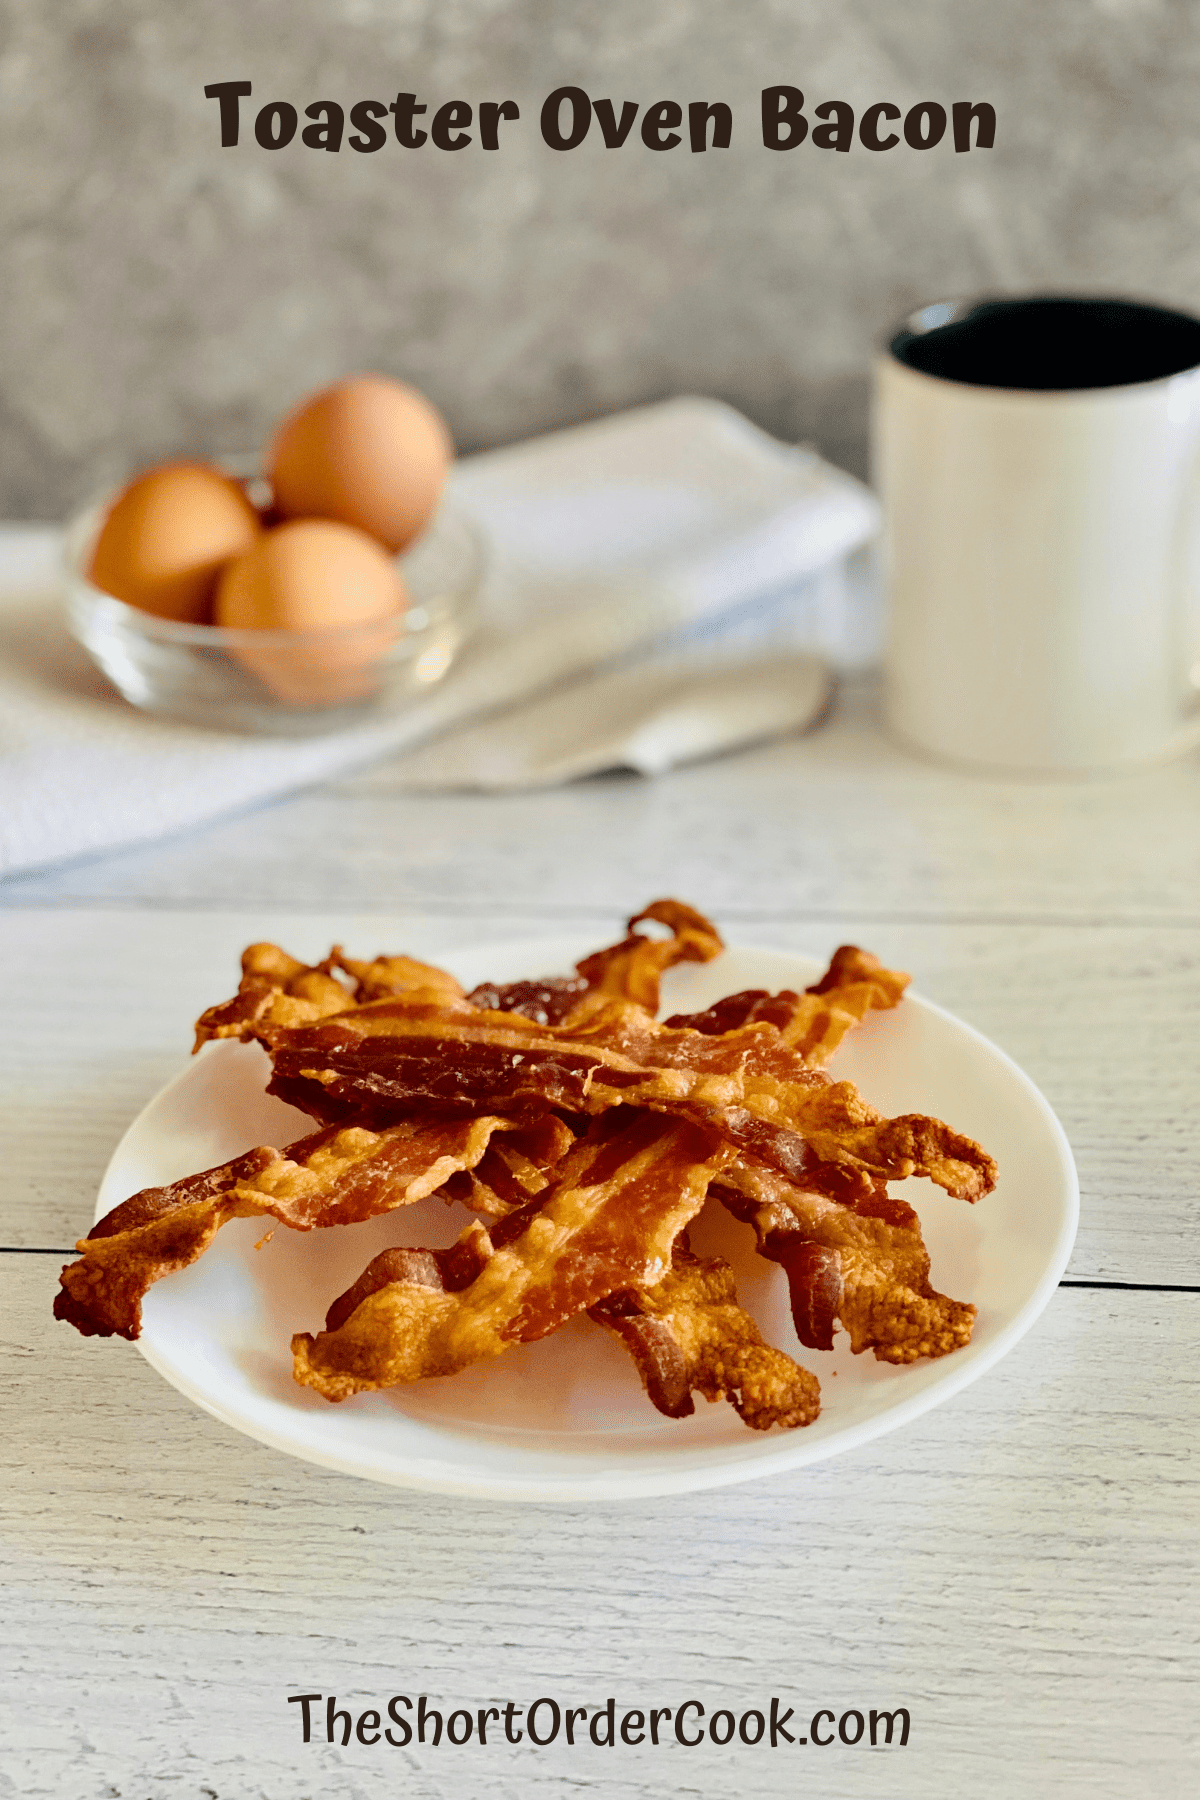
[(387, 976), (546, 1001), (332, 1177), (630, 970), (516, 1166), (815, 1022), (688, 1332), (854, 984), (400, 1056), (864, 1264), (608, 1221), (277, 991)]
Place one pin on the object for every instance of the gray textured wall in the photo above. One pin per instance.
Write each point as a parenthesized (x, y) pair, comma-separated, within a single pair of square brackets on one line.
[(162, 295)]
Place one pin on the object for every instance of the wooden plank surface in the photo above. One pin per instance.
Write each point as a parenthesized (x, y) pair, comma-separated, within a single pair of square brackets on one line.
[(1017, 1568), (839, 823)]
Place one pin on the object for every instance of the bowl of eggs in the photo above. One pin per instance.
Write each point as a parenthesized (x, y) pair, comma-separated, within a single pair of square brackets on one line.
[(288, 594)]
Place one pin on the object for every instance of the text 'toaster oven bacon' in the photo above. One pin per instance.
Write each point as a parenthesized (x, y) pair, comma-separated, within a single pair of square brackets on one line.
[(864, 1264), (815, 1022), (609, 1220), (332, 1177), (688, 1332), (745, 1083)]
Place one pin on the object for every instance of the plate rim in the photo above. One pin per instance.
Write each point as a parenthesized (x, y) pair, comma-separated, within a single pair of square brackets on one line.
[(602, 1484)]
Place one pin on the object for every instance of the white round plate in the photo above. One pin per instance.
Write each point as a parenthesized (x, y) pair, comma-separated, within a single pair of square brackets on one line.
[(566, 1419)]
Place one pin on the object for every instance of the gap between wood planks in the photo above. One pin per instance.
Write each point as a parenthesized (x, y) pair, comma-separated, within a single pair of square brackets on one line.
[(1133, 1287)]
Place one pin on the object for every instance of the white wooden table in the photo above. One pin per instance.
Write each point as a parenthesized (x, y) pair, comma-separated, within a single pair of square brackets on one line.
[(1018, 1569)]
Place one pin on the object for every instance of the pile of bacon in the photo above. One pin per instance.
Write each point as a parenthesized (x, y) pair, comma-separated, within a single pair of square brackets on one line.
[(585, 1137)]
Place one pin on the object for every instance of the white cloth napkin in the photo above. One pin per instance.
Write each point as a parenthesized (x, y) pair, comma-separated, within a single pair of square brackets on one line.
[(604, 540), (666, 711)]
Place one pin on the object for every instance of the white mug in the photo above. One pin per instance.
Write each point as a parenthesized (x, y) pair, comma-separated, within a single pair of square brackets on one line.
[(1038, 465)]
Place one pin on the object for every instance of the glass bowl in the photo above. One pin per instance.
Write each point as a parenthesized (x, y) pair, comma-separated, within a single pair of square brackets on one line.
[(289, 683)]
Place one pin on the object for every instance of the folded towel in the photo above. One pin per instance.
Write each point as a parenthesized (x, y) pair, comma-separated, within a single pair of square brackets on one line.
[(665, 711), (604, 540)]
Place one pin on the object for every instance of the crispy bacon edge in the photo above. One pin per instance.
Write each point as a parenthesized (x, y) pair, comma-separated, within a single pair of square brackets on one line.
[(629, 970), (815, 1022), (687, 1333), (864, 1264), (278, 991), (335, 1176)]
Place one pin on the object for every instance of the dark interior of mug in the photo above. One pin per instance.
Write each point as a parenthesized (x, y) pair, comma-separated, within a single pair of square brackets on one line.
[(1050, 344)]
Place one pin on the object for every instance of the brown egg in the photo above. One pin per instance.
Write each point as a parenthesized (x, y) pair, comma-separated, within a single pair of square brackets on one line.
[(368, 451), (168, 536), (313, 575)]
